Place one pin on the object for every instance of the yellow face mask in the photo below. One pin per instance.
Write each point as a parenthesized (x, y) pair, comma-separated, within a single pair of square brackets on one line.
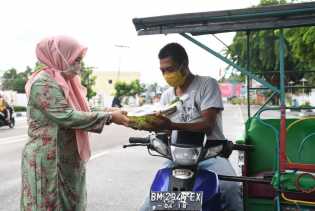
[(175, 79)]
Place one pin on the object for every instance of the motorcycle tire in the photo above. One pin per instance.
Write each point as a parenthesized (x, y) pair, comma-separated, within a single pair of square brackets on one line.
[(12, 123)]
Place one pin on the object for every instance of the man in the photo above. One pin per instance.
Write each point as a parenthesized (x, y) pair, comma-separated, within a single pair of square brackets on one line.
[(200, 112), (116, 102), (5, 109)]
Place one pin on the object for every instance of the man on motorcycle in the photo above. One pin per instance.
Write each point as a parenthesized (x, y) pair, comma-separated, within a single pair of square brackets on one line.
[(5, 109), (200, 112)]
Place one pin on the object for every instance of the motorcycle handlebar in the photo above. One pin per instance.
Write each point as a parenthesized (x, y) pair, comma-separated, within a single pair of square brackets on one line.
[(242, 147), (139, 140)]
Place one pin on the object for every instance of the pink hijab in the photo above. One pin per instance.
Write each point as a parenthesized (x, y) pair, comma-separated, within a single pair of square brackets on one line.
[(56, 53)]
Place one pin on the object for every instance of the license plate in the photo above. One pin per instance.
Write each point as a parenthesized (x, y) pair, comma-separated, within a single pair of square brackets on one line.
[(181, 200)]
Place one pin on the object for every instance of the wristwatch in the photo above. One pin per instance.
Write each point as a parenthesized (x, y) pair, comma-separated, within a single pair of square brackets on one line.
[(109, 119)]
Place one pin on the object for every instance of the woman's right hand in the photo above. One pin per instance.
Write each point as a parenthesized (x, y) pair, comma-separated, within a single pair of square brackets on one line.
[(120, 117)]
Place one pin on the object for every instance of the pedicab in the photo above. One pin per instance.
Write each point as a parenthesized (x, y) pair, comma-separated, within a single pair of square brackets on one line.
[(279, 162)]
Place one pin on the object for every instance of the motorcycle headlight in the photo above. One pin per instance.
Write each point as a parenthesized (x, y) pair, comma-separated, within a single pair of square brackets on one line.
[(185, 156)]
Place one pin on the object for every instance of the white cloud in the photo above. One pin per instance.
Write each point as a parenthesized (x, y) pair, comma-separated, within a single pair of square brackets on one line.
[(101, 25)]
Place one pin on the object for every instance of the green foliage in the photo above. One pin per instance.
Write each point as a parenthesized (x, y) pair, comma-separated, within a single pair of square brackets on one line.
[(38, 66), (241, 101), (136, 88), (131, 89), (264, 54), (271, 2), (88, 80), (264, 51), (237, 101), (19, 108), (234, 77), (302, 41), (12, 80)]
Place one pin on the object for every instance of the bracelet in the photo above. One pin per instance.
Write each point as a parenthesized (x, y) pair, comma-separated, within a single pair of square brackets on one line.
[(109, 119)]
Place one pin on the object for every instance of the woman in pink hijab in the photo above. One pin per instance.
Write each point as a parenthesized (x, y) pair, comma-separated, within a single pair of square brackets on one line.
[(59, 119)]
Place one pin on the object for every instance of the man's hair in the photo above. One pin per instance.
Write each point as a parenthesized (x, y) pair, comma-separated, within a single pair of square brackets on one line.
[(176, 52)]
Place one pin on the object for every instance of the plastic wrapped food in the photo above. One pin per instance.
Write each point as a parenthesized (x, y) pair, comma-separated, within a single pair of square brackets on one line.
[(142, 117), (142, 122)]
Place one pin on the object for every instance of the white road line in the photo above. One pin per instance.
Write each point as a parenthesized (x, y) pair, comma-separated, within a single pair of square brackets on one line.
[(13, 139), (99, 155), (19, 127)]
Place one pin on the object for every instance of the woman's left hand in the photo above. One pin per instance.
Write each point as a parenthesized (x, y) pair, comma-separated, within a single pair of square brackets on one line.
[(111, 109), (119, 117)]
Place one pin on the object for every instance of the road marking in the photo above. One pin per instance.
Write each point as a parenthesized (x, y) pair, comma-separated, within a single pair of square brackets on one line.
[(15, 127), (99, 155), (13, 139), (19, 127)]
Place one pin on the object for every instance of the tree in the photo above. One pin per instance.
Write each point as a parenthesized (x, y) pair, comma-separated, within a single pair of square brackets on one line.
[(124, 89), (302, 41), (88, 80), (233, 77), (136, 88), (7, 79), (264, 51), (12, 80)]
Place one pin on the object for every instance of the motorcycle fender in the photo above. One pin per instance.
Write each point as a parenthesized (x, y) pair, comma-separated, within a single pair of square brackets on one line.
[(162, 180), (207, 182)]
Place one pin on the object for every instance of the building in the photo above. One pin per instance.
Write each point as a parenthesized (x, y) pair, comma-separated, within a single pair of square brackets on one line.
[(105, 80), (105, 85)]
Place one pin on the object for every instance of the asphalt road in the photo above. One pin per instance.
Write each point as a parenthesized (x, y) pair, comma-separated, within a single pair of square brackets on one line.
[(117, 179)]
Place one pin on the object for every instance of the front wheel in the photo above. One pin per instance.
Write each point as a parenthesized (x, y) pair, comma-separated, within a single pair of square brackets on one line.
[(12, 123)]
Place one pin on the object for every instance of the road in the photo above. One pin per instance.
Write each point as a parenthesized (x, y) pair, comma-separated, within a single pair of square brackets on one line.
[(117, 179)]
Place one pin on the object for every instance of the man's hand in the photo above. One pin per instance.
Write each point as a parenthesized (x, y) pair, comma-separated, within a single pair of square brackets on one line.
[(161, 122), (227, 149)]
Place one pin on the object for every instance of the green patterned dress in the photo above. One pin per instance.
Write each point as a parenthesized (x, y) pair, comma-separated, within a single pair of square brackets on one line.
[(53, 176)]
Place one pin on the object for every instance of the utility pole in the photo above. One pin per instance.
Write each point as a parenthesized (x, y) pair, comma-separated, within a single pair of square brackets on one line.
[(119, 58)]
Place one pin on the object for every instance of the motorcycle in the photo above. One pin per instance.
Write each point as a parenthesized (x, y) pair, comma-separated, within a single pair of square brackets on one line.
[(4, 122), (183, 186)]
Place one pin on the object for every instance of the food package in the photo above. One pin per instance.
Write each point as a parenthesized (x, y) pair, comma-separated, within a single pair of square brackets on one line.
[(142, 117)]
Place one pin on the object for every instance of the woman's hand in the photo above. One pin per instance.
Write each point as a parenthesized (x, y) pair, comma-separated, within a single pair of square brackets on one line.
[(111, 109), (120, 117)]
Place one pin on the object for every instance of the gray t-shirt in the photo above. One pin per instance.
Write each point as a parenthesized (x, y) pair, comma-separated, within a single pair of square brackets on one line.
[(202, 93)]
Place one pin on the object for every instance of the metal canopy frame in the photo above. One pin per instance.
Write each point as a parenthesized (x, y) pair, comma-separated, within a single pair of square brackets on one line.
[(250, 19), (256, 18)]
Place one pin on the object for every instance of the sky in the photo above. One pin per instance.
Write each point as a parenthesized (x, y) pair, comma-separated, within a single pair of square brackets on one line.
[(104, 25)]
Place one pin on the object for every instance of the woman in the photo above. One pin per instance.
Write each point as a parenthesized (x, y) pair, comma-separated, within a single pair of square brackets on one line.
[(53, 160)]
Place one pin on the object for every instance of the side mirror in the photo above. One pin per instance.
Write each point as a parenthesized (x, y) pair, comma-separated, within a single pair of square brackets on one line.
[(160, 146)]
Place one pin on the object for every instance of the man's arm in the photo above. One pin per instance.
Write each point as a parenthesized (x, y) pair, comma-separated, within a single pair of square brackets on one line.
[(205, 124)]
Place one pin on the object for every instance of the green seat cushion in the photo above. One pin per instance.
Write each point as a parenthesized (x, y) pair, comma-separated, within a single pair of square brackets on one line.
[(300, 145), (263, 138)]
